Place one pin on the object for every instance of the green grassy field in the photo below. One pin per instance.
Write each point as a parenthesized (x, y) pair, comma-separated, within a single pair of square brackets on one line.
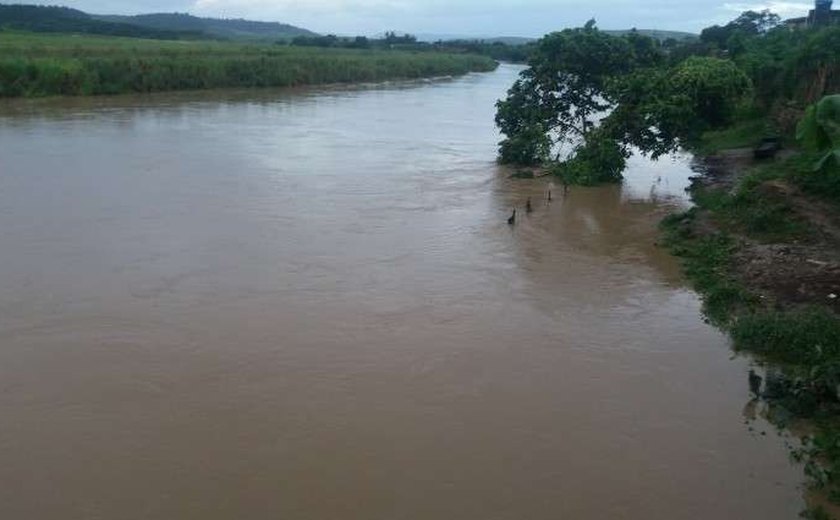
[(47, 64)]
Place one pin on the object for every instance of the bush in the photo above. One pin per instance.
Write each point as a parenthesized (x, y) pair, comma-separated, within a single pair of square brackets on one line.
[(598, 160), (714, 88)]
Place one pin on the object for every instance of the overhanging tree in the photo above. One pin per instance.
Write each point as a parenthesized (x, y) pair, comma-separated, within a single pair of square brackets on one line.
[(605, 94), (564, 89)]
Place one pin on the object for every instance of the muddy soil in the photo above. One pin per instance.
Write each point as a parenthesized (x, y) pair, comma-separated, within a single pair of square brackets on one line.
[(799, 273)]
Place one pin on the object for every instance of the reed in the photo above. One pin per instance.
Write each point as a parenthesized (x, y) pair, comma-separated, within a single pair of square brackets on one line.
[(34, 65)]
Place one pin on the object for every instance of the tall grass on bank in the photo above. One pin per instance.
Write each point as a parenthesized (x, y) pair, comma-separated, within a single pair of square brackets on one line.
[(44, 65)]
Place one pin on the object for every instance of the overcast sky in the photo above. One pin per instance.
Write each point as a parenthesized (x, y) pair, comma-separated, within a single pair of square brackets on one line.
[(461, 17)]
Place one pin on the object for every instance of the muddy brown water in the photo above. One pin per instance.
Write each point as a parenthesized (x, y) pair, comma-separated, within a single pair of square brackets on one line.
[(308, 305)]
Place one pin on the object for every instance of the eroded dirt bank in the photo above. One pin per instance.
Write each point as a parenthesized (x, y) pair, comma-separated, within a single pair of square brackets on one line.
[(798, 270)]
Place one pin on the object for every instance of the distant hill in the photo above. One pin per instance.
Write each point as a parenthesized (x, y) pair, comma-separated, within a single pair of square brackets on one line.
[(657, 34), (517, 40), (170, 26), (38, 18), (236, 29)]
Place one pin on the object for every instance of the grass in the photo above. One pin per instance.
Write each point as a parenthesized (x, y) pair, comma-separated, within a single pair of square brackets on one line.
[(753, 209), (816, 513), (806, 337), (757, 208), (743, 134), (797, 169), (46, 64), (823, 184), (801, 344), (707, 260)]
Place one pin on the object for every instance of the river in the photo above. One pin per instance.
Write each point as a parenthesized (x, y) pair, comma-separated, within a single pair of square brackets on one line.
[(307, 304)]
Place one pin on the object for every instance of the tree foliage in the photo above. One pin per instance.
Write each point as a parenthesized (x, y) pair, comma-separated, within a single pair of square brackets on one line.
[(606, 94), (814, 67), (783, 64), (712, 87), (650, 115), (525, 121), (653, 97), (732, 36), (565, 89), (598, 159)]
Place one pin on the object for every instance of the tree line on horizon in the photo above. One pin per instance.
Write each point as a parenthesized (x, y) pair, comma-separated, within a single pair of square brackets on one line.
[(407, 42)]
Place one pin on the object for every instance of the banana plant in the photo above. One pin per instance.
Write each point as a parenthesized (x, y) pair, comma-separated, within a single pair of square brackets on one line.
[(819, 131)]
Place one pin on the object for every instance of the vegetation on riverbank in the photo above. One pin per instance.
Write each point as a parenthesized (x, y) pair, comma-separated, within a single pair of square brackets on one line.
[(762, 246), (45, 64), (589, 99)]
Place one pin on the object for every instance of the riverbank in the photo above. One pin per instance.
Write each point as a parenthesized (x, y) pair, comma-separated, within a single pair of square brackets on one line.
[(762, 246), (34, 65)]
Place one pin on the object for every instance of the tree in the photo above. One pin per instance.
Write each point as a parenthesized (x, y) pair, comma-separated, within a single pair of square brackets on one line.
[(733, 36), (360, 42), (564, 89), (391, 38), (658, 108), (754, 23), (600, 158), (649, 115), (716, 35), (815, 67), (523, 119), (606, 95), (711, 88)]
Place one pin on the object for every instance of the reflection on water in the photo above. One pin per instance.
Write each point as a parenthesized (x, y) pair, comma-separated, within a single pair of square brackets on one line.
[(308, 304)]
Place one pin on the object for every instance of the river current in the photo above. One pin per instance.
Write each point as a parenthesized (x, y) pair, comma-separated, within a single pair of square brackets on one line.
[(308, 304)]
